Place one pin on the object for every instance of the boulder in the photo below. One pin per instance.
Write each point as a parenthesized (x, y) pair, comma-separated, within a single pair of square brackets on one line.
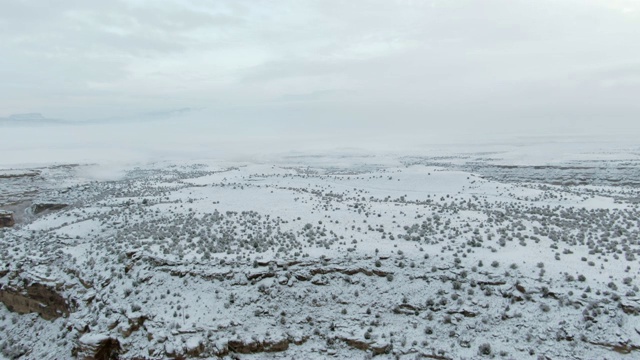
[(97, 347)]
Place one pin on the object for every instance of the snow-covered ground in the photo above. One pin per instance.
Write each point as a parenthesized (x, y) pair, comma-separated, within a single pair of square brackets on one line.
[(468, 255)]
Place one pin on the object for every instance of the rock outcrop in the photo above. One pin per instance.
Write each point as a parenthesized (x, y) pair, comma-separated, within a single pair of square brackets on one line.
[(36, 298), (258, 346), (375, 347), (12, 174), (40, 207), (619, 347), (97, 347), (6, 219)]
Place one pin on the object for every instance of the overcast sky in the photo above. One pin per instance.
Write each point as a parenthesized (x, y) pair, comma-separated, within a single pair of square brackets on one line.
[(301, 67)]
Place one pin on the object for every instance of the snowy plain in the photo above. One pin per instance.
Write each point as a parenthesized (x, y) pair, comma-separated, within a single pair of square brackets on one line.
[(445, 252)]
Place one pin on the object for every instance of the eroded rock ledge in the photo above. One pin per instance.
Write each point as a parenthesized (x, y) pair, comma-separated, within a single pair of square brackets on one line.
[(41, 207), (35, 298)]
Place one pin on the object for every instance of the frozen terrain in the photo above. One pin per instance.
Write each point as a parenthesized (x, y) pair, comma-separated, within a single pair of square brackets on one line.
[(449, 256)]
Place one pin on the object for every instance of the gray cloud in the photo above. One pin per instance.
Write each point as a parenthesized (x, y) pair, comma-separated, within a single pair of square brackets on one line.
[(298, 67)]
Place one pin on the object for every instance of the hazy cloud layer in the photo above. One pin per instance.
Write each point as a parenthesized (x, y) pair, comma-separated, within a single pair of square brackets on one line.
[(308, 67)]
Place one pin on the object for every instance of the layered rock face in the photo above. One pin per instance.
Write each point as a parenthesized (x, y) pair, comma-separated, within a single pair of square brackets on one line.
[(36, 298)]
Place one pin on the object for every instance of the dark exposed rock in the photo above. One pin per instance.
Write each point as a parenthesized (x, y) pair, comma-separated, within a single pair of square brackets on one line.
[(97, 347), (6, 219), (406, 309), (135, 322), (465, 313), (491, 283), (288, 264), (630, 309), (252, 347), (619, 347), (263, 263), (434, 356), (36, 298), (13, 175), (41, 207), (356, 343), (207, 276), (549, 294), (260, 275), (195, 347), (375, 348), (302, 277), (512, 296), (351, 271)]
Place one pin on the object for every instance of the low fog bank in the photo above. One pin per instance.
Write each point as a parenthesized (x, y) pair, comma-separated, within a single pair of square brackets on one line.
[(182, 139)]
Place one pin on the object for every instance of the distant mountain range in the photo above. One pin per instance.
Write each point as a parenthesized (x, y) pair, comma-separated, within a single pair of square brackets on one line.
[(29, 119), (36, 119)]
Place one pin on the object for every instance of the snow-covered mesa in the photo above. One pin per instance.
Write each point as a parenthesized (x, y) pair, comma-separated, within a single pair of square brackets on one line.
[(488, 253)]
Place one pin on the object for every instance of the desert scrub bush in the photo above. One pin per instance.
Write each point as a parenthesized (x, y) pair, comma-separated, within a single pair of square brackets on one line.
[(484, 349)]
